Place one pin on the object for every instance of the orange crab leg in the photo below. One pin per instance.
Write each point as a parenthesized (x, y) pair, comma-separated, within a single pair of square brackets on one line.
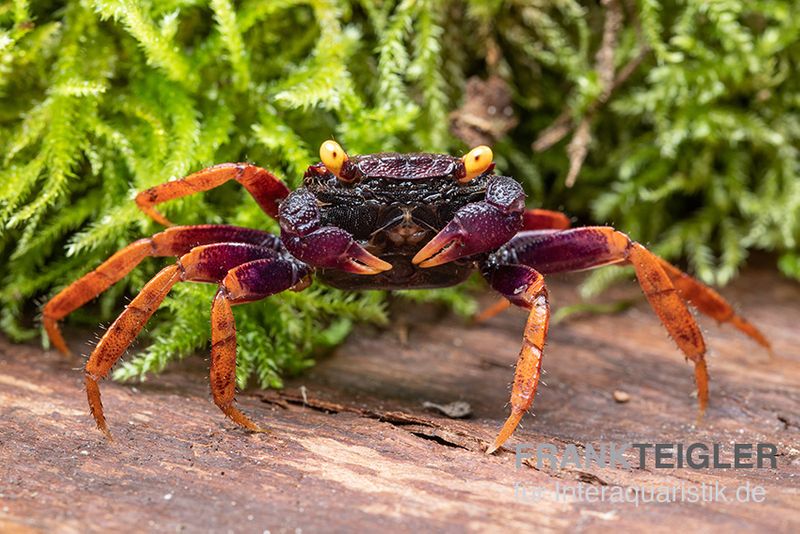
[(222, 377), (585, 248), (492, 310), (538, 219), (248, 282), (208, 263), (588, 247), (672, 311), (711, 303), (173, 241), (264, 186), (508, 280), (121, 334)]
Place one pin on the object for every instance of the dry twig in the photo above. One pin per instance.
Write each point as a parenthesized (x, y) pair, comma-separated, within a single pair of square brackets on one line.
[(609, 82)]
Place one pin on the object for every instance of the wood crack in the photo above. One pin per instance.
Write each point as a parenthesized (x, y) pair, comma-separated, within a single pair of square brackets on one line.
[(418, 426)]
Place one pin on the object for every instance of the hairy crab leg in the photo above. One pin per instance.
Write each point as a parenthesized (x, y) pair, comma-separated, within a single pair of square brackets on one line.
[(538, 219), (711, 303), (264, 186), (589, 247), (222, 374), (498, 307), (524, 287), (208, 263), (174, 241), (673, 313), (594, 246), (251, 281), (121, 334)]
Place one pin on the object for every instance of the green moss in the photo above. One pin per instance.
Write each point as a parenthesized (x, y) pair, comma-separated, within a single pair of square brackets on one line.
[(696, 152)]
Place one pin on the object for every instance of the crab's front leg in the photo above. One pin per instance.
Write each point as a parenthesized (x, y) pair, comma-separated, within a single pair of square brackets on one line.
[(175, 241), (479, 226), (550, 251), (244, 273), (319, 245), (525, 287)]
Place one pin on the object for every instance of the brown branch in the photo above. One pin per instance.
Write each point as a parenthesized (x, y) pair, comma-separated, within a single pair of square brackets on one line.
[(555, 132), (604, 59), (578, 146), (577, 149), (628, 70), (604, 64), (564, 123)]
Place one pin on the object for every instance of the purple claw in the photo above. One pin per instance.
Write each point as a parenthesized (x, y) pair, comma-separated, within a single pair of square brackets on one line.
[(327, 247), (477, 227), (334, 248)]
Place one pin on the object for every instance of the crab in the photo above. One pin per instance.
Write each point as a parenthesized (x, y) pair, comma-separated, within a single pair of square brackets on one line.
[(380, 221)]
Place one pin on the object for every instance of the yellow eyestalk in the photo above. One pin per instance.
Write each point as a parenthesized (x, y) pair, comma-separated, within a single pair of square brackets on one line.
[(476, 162), (333, 157)]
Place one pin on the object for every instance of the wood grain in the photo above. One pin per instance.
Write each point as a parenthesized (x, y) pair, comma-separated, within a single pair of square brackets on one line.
[(361, 452)]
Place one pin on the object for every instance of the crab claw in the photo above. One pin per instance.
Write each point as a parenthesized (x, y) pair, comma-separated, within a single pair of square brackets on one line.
[(359, 261), (443, 248), (333, 248), (475, 228)]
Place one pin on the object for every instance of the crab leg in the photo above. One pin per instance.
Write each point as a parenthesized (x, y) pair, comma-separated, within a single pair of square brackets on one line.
[(589, 247), (208, 263), (174, 241), (711, 303), (121, 334), (494, 309), (586, 248), (537, 219), (533, 219), (264, 186), (251, 281), (524, 287)]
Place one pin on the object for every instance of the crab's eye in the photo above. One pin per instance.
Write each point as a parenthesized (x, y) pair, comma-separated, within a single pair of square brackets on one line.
[(333, 156), (476, 162)]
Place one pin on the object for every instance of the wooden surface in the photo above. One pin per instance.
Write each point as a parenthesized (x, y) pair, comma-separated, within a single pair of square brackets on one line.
[(362, 452)]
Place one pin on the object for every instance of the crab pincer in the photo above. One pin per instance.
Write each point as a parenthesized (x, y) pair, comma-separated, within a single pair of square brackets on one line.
[(323, 246), (333, 248), (477, 227)]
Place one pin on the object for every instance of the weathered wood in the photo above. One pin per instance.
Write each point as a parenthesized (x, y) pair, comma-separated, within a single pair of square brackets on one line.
[(362, 452)]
